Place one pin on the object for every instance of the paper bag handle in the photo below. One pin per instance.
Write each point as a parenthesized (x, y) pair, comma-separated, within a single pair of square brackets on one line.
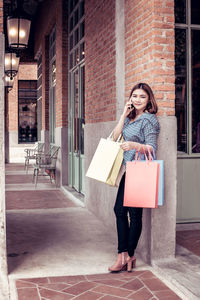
[(111, 137), (138, 155)]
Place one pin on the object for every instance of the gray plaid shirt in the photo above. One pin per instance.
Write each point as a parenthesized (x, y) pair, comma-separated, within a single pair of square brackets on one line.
[(143, 130)]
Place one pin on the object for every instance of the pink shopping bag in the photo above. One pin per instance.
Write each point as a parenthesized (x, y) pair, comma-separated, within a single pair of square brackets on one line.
[(141, 184)]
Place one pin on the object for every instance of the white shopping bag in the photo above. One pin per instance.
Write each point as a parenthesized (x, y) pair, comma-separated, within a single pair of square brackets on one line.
[(106, 162)]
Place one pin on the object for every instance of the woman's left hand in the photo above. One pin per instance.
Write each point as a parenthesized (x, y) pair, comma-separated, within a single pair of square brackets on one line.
[(126, 146)]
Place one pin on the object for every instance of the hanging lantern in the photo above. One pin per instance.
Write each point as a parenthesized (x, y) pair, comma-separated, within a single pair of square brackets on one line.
[(8, 83), (11, 64), (18, 28)]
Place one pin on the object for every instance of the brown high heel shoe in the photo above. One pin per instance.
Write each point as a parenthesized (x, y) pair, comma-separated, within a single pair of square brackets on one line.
[(121, 263), (131, 263)]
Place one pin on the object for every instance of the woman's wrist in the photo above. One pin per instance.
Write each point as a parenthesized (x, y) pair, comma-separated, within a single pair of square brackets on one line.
[(123, 117), (138, 147), (142, 148)]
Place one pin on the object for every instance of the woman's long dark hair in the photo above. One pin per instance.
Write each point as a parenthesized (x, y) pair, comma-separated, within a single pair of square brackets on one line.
[(151, 107)]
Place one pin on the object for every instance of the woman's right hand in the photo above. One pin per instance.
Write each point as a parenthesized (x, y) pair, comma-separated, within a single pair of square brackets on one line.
[(119, 127), (128, 108)]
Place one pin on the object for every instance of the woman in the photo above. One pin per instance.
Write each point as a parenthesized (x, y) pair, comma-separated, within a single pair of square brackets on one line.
[(140, 128)]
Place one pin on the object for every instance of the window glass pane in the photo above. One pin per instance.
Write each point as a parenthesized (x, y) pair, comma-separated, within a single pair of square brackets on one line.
[(81, 9), (71, 23), (82, 51), (53, 73), (76, 36), (76, 56), (40, 60), (54, 50), (54, 35), (50, 53), (39, 92), (71, 42), (195, 91), (71, 5), (39, 70), (71, 61), (27, 105), (76, 112), (180, 11), (39, 82), (50, 40), (195, 11), (180, 88), (76, 17), (33, 84), (24, 84), (39, 118), (52, 114), (82, 30)]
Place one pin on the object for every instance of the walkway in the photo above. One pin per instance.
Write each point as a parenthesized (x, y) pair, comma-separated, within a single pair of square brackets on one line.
[(57, 250), (137, 285)]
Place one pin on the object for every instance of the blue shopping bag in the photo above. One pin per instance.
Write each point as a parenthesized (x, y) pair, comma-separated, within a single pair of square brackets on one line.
[(161, 183)]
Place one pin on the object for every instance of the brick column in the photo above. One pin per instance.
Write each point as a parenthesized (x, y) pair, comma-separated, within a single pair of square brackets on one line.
[(61, 136), (61, 64), (149, 57)]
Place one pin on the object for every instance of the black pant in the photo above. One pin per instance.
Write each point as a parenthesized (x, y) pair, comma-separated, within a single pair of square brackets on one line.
[(128, 229)]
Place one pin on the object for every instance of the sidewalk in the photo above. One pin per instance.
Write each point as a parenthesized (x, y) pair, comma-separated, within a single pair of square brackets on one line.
[(58, 250)]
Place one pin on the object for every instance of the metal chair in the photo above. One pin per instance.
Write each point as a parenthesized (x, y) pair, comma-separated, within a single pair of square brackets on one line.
[(31, 153), (46, 165)]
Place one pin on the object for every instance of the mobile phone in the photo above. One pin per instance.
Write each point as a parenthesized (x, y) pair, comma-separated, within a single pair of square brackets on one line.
[(131, 106)]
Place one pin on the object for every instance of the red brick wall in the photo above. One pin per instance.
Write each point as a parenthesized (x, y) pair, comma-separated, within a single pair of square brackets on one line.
[(100, 85), (149, 53), (61, 65), (45, 21), (56, 14), (1, 15), (12, 121)]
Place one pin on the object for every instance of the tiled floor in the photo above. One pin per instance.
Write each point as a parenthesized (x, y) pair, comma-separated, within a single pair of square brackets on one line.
[(15, 166), (138, 285), (23, 178), (189, 239), (38, 199)]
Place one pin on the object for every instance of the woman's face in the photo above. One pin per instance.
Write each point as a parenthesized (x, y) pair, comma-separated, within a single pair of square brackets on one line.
[(139, 99)]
